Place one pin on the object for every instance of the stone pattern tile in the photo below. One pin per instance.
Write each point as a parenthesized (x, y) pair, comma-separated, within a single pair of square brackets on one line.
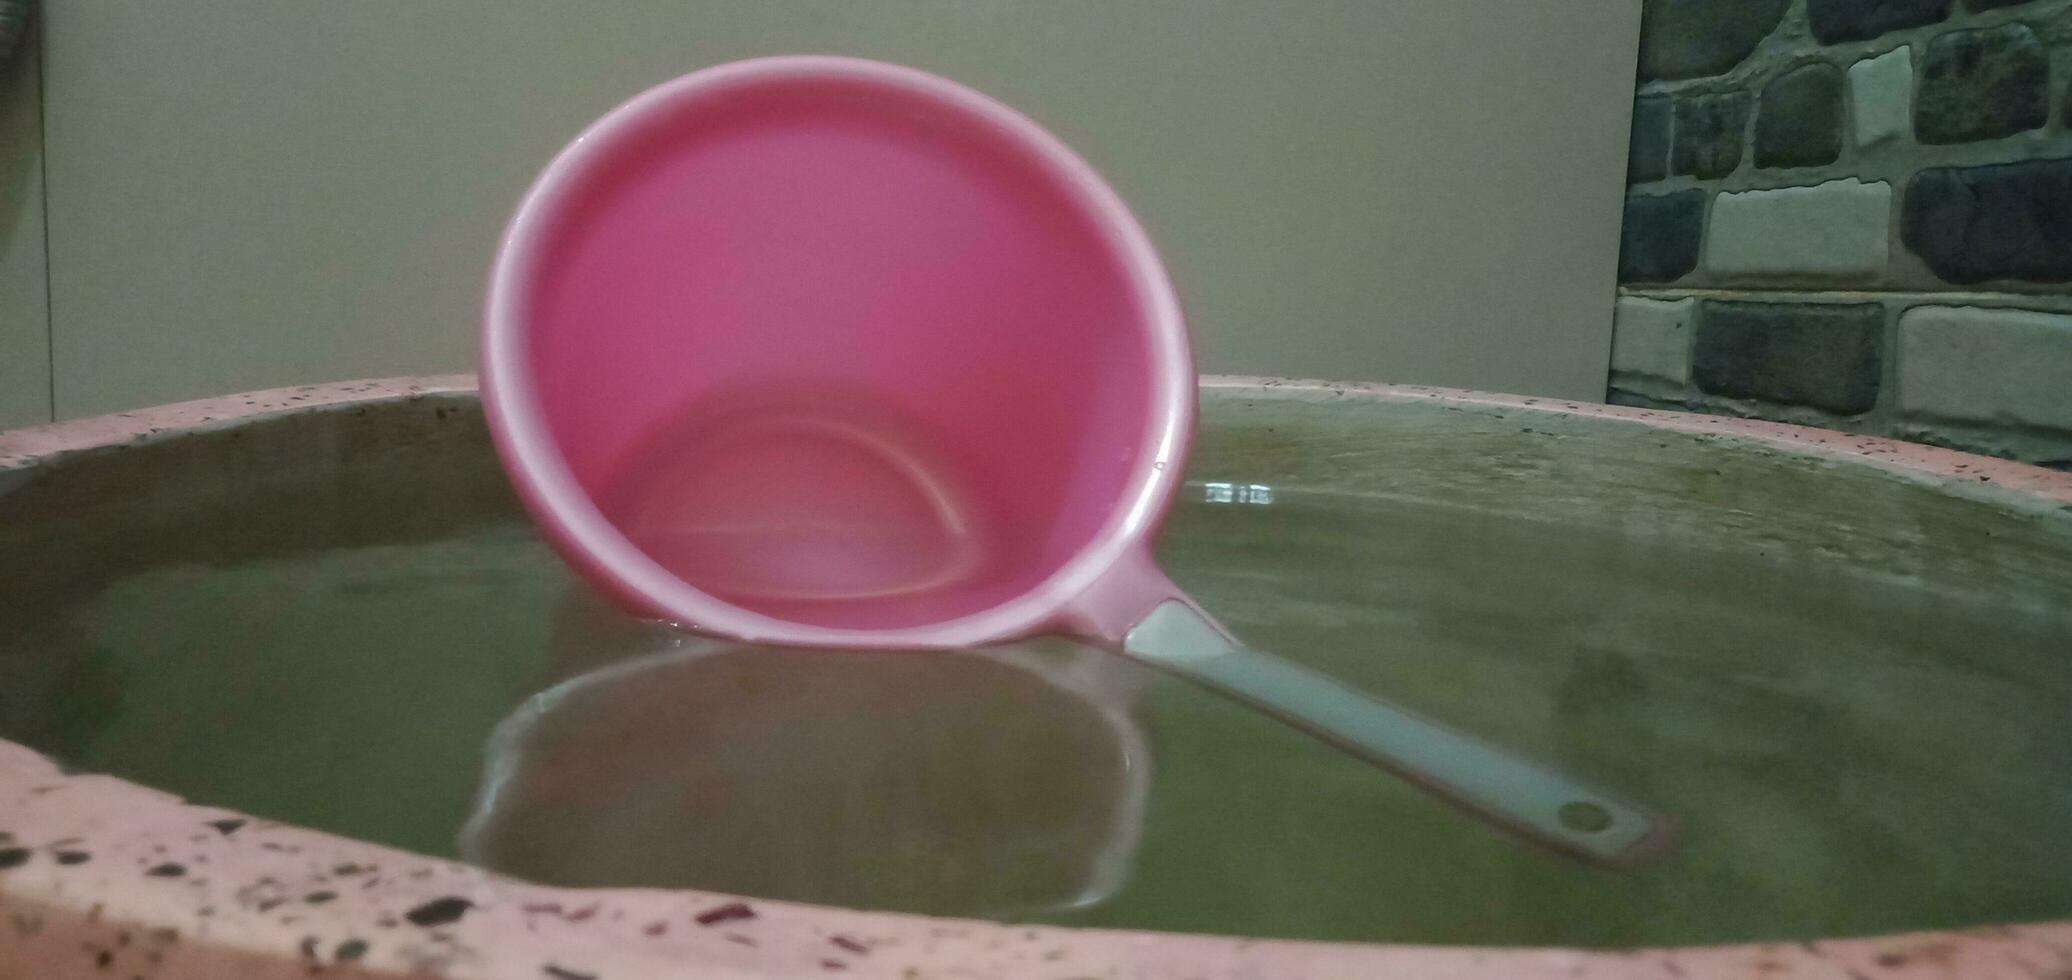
[(1982, 84), (1661, 236), (1710, 131), (1854, 213), (1834, 21), (1694, 38), (1840, 231), (1798, 122), (1989, 366), (2009, 221), (1651, 340), (1881, 97), (1828, 356)]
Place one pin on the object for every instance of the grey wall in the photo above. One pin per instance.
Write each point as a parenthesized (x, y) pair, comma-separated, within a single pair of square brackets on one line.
[(1855, 214), (251, 193)]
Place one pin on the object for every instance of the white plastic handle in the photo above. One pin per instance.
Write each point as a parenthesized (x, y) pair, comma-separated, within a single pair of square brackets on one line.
[(1523, 796)]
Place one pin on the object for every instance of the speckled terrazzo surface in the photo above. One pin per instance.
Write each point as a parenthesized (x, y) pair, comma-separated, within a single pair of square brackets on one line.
[(1825, 801)]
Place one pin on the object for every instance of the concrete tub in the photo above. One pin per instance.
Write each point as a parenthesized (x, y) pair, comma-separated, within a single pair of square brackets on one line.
[(1845, 664)]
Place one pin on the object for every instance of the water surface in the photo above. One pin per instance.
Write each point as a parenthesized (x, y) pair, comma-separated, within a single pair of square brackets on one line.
[(1849, 690)]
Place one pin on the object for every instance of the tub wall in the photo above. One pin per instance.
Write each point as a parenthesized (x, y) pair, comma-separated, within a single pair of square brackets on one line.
[(1854, 214)]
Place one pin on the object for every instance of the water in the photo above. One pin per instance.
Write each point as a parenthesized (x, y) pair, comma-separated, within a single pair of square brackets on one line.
[(1850, 691), (1003, 783)]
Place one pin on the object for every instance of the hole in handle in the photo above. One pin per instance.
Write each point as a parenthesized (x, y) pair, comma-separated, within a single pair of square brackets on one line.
[(1584, 817)]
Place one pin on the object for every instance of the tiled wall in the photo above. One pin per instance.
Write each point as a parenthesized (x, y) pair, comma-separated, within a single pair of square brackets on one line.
[(1855, 214)]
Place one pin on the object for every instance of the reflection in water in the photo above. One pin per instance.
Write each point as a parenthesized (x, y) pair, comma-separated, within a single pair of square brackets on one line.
[(1221, 492), (985, 783)]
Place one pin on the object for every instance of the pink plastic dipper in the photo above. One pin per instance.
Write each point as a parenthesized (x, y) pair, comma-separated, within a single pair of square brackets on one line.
[(826, 352)]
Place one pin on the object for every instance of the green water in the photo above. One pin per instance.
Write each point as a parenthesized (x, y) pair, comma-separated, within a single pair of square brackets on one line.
[(1851, 692)]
